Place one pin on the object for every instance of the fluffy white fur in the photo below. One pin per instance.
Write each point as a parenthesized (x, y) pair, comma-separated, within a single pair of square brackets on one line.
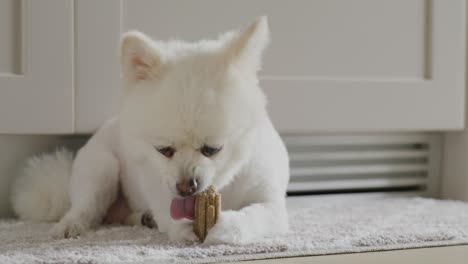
[(39, 193), (183, 95)]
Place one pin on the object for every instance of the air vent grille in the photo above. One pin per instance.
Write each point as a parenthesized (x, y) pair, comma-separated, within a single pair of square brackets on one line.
[(335, 163)]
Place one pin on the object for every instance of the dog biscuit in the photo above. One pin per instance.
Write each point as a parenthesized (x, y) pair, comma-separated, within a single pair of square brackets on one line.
[(207, 207)]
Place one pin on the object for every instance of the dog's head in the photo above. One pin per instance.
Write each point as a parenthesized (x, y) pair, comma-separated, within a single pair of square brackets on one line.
[(190, 109)]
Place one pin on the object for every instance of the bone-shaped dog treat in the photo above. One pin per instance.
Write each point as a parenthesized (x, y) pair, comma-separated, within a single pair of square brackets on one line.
[(207, 208)]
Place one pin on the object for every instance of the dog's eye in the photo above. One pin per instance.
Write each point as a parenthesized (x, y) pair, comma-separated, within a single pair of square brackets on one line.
[(208, 151), (168, 152)]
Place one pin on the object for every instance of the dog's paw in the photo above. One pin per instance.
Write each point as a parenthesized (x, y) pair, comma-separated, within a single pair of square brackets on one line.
[(147, 219), (228, 230), (67, 229), (182, 232)]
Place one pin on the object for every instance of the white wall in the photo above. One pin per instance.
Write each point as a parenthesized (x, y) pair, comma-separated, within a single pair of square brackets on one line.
[(455, 166), (454, 183), (454, 178)]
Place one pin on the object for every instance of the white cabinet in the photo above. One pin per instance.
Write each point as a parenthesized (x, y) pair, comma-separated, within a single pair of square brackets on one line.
[(97, 71), (333, 66), (362, 65), (36, 66)]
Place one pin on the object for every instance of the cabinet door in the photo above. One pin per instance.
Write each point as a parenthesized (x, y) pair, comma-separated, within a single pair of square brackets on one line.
[(362, 65), (36, 66)]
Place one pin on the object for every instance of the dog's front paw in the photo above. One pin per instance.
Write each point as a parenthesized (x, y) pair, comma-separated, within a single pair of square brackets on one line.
[(182, 232), (67, 229), (228, 230)]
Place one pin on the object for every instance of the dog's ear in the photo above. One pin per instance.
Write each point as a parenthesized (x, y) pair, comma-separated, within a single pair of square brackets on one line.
[(244, 49), (140, 59)]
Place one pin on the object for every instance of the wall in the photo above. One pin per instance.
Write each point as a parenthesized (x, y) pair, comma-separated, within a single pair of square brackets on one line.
[(455, 166), (454, 183)]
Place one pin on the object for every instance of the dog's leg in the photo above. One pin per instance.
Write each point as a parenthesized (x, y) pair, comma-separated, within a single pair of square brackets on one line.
[(250, 223), (93, 188), (141, 219), (262, 205), (181, 231)]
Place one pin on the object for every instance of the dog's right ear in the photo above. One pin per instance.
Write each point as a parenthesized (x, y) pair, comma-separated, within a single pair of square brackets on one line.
[(140, 59)]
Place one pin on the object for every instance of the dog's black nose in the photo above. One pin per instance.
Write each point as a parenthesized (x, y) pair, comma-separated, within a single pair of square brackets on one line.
[(187, 188)]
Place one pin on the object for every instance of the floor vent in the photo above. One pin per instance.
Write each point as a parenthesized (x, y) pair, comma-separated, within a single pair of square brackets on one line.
[(363, 163)]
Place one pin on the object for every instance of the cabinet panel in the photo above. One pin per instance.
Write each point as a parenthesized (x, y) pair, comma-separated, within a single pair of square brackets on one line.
[(36, 66), (97, 70), (336, 65), (325, 38), (10, 33)]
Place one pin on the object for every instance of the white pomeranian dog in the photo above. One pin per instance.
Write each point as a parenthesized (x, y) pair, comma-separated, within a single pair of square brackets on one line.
[(192, 116)]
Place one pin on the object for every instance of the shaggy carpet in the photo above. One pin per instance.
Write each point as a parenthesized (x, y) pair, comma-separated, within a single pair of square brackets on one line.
[(318, 226)]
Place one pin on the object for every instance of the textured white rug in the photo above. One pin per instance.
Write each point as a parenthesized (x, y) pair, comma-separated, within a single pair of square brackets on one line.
[(318, 226)]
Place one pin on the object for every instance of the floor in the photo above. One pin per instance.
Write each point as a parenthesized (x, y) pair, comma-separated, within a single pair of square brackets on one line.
[(437, 255)]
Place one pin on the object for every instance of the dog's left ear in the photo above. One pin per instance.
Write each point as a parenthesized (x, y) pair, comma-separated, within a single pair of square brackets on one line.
[(244, 49)]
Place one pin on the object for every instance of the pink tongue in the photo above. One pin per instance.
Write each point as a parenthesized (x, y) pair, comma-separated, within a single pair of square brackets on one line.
[(183, 208)]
